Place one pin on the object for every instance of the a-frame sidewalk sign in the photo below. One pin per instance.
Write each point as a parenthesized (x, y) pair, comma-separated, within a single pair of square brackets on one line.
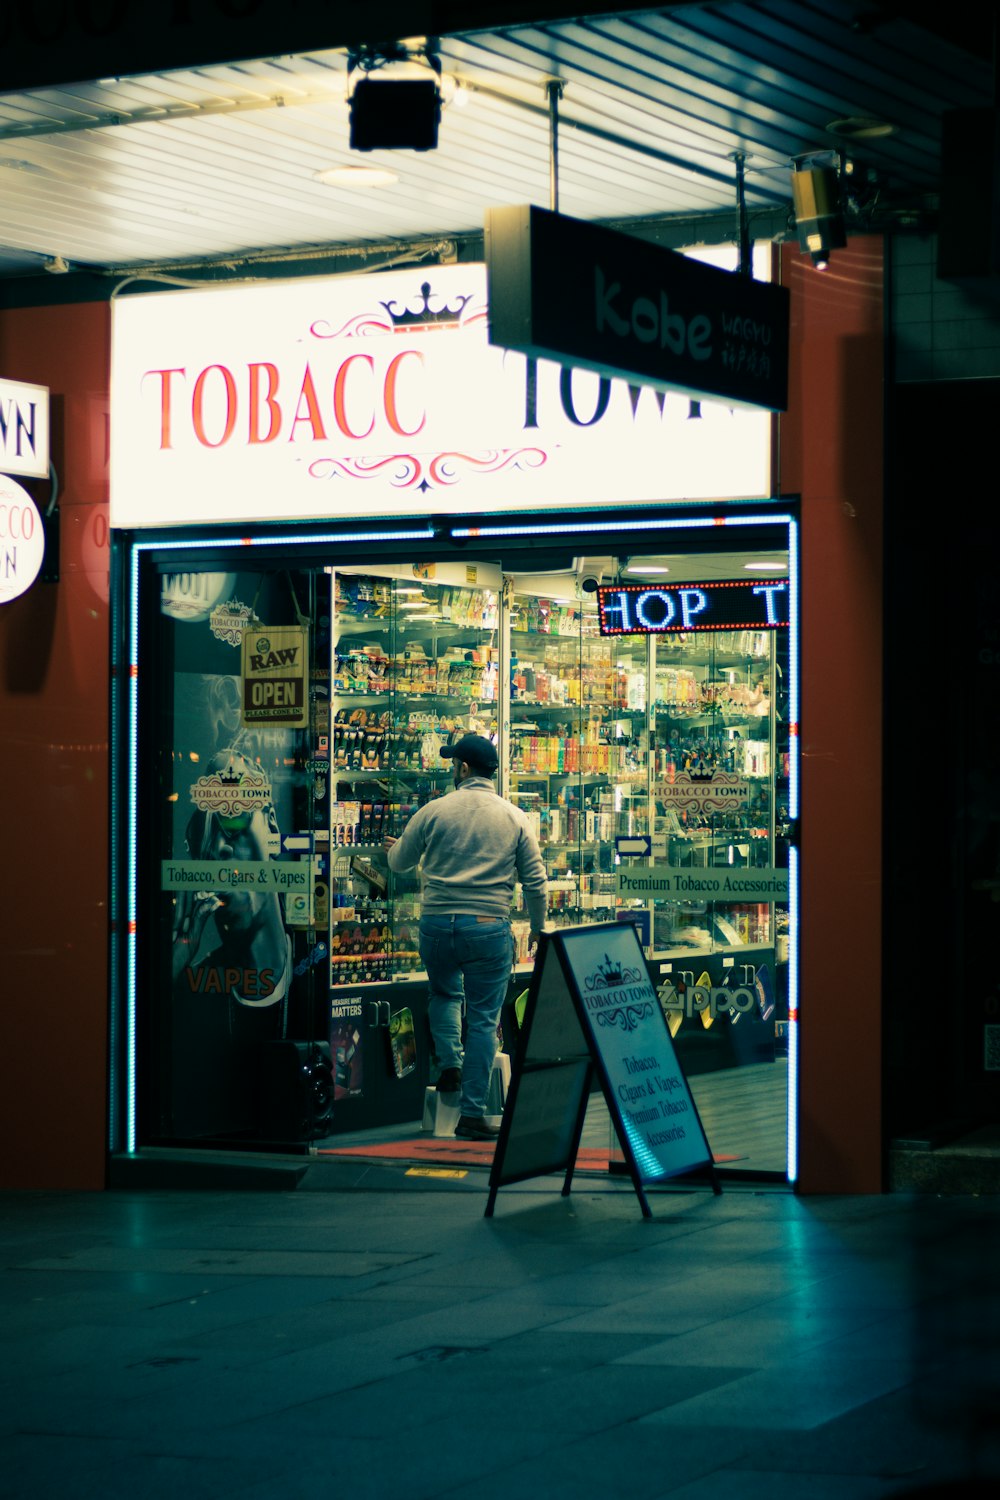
[(592, 1006)]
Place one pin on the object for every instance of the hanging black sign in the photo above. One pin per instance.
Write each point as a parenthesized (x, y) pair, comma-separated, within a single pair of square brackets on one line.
[(563, 289)]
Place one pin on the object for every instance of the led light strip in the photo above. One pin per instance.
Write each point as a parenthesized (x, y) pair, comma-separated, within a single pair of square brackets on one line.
[(284, 540), (673, 524), (425, 534), (792, 1104), (115, 846), (132, 665)]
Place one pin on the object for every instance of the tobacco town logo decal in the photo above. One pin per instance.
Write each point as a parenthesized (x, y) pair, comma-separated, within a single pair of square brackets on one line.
[(615, 1010), (406, 470), (230, 793)]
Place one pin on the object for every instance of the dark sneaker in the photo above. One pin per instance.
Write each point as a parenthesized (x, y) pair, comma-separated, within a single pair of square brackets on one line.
[(450, 1081), (476, 1128)]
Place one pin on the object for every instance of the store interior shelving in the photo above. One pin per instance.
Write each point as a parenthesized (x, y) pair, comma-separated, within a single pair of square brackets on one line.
[(600, 738)]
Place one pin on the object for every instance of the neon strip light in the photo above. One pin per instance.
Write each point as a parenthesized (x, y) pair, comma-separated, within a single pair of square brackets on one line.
[(678, 523), (131, 873), (794, 740), (792, 1107), (424, 534), (114, 904), (793, 669), (264, 540)]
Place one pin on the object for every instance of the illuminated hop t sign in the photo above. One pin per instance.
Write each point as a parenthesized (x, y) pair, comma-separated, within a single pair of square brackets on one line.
[(654, 610)]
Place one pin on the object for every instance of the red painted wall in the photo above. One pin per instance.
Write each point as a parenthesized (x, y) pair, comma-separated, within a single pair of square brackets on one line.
[(832, 454), (54, 653), (54, 650)]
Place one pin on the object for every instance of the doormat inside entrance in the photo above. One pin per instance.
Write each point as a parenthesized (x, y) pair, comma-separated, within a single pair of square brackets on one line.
[(454, 1152)]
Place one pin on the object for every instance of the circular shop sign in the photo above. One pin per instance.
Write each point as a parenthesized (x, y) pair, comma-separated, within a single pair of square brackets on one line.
[(22, 540)]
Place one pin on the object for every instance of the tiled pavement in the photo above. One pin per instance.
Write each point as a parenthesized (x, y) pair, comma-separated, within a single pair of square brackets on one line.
[(372, 1334)]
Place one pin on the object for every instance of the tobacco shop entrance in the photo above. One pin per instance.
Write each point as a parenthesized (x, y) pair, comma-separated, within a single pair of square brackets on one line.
[(290, 669), (292, 715)]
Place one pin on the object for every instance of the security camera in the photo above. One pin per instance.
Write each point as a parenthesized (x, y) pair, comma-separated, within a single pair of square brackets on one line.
[(590, 583)]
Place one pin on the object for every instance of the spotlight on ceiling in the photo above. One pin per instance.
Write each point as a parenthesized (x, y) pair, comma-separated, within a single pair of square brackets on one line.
[(819, 216), (390, 112)]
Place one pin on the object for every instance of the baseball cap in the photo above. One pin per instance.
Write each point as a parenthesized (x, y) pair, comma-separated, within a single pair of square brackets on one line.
[(477, 752)]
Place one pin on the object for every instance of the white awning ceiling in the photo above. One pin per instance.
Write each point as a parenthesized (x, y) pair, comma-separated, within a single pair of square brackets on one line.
[(221, 163)]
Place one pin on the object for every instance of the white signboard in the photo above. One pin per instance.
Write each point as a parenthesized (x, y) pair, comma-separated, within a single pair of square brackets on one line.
[(24, 429), (22, 540), (651, 1097), (380, 396)]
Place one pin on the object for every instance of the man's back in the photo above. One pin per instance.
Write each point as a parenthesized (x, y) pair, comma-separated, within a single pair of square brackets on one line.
[(474, 846)]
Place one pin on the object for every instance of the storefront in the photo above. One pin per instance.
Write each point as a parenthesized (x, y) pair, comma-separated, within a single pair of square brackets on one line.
[(348, 529)]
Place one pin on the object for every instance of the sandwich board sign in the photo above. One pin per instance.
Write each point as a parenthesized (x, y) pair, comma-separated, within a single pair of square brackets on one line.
[(592, 1007)]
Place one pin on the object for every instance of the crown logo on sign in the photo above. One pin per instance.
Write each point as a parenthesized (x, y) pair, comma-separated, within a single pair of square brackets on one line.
[(611, 972), (230, 778), (701, 775), (423, 317)]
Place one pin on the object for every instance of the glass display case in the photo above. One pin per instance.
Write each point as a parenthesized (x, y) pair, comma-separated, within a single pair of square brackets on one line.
[(578, 749), (415, 663), (664, 752)]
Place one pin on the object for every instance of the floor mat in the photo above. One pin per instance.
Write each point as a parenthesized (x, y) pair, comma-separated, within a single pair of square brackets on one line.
[(448, 1150)]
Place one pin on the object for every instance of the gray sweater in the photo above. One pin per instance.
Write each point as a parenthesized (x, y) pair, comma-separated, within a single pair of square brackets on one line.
[(473, 843)]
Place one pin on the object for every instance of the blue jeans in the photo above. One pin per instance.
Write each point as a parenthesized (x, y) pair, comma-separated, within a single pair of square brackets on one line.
[(467, 958)]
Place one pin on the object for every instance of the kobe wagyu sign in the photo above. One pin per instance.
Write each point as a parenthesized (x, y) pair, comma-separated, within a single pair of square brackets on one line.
[(382, 395)]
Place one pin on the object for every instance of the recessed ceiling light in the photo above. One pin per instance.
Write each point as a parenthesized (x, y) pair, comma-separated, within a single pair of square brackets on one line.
[(642, 567), (766, 567), (357, 177), (860, 128)]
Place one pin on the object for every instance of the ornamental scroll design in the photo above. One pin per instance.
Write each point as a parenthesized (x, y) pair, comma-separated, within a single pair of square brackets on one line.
[(610, 975), (627, 1017), (412, 471), (394, 317)]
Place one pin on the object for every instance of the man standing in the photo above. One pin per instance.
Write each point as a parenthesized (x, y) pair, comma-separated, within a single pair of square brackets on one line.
[(473, 845)]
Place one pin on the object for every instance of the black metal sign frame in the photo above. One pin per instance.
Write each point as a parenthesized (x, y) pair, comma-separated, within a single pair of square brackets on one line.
[(592, 1009)]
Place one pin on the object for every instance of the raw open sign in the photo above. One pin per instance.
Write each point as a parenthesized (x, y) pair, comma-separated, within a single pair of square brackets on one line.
[(276, 676)]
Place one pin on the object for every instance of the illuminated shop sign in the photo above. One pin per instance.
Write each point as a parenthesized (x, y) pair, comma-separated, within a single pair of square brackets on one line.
[(758, 604), (24, 429), (381, 395), (22, 540)]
